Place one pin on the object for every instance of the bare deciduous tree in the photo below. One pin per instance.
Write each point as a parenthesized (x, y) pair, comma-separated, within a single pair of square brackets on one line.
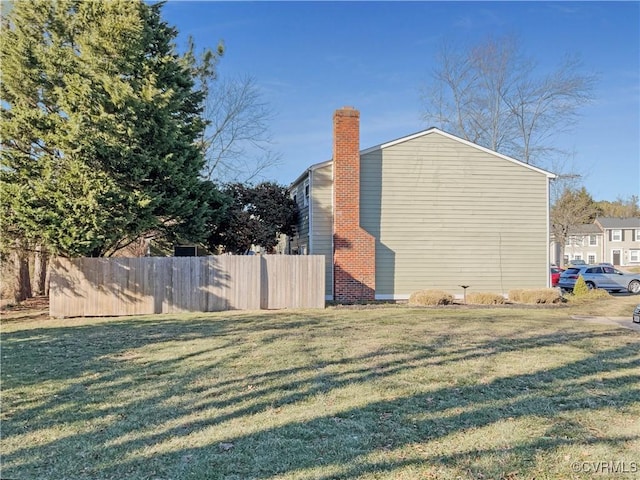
[(494, 96), (621, 208), (574, 207), (237, 140)]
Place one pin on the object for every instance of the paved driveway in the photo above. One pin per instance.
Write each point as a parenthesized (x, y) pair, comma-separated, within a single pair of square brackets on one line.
[(624, 322)]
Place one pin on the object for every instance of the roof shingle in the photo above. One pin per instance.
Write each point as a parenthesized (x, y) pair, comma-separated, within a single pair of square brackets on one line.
[(608, 223)]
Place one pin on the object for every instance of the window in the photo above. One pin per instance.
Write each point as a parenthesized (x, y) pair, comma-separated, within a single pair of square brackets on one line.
[(634, 255), (593, 240), (577, 257), (637, 238), (306, 193), (616, 235), (591, 258)]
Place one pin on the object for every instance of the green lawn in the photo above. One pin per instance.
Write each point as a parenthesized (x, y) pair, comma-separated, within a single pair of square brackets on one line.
[(372, 393)]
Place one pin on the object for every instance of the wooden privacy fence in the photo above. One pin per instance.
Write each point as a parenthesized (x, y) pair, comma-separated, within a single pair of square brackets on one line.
[(137, 286)]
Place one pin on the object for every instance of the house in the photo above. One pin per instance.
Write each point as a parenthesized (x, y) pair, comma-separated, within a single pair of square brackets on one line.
[(621, 245), (610, 240), (429, 210), (584, 242)]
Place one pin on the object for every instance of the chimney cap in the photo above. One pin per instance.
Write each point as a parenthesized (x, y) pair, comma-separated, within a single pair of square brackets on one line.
[(347, 111)]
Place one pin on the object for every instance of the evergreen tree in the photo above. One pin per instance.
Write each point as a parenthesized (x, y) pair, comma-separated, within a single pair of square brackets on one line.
[(580, 289), (100, 119)]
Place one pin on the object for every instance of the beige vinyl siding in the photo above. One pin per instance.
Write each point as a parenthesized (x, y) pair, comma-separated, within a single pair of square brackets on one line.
[(447, 214), (322, 219)]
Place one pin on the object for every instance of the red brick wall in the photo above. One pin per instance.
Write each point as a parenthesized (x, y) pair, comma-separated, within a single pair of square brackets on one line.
[(354, 263)]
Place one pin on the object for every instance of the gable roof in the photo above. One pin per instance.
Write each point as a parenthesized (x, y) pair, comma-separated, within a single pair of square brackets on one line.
[(585, 229), (613, 222), (437, 131), (313, 167), (422, 133)]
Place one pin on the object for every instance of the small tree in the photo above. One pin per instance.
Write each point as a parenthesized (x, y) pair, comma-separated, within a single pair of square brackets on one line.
[(573, 208), (580, 288), (255, 215)]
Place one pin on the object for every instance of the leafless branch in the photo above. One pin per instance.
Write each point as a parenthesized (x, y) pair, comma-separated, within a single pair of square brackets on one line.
[(237, 141), (494, 96)]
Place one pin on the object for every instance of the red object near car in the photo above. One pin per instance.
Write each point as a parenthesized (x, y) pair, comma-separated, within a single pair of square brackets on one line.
[(555, 275)]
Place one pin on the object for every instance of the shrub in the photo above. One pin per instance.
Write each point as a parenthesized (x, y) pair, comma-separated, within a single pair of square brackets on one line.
[(430, 297), (594, 294), (515, 295), (580, 288), (540, 295), (485, 298)]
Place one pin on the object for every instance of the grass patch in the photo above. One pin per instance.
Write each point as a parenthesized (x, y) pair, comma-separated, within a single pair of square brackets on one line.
[(375, 393)]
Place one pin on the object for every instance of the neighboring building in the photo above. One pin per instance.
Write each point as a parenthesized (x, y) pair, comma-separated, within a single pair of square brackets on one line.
[(429, 210), (585, 242), (621, 244)]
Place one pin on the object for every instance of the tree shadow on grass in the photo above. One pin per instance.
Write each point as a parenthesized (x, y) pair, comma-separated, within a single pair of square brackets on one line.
[(101, 376)]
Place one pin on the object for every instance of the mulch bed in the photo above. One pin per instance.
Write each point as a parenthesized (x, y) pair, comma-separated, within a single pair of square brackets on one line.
[(31, 308), (35, 303)]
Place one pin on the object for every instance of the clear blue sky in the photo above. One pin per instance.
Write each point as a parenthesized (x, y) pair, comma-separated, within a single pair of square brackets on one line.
[(310, 58)]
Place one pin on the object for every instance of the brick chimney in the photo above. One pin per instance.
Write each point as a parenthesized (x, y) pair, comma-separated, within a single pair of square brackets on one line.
[(354, 250)]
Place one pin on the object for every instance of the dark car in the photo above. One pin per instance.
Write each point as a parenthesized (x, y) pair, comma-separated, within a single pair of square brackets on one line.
[(555, 275), (600, 276)]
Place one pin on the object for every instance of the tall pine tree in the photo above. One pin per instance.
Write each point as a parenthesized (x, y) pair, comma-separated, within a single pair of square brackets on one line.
[(100, 119)]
